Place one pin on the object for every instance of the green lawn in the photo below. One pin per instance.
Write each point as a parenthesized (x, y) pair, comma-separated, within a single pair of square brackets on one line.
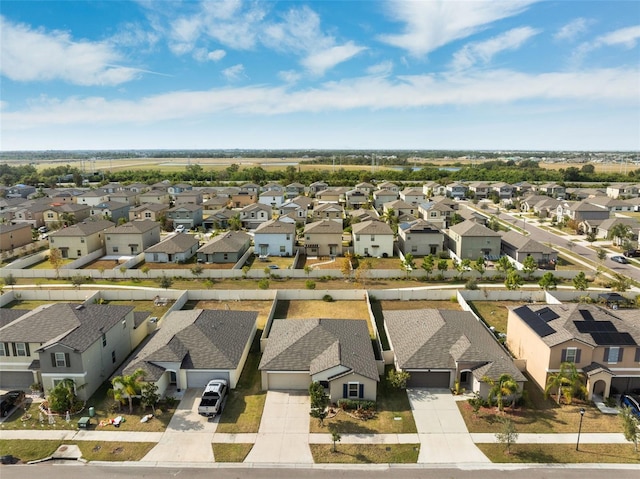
[(365, 453), (562, 453), (494, 313), (27, 450), (393, 416), (223, 452), (243, 411)]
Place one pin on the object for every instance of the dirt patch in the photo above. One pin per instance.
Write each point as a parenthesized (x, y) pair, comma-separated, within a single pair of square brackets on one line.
[(426, 304)]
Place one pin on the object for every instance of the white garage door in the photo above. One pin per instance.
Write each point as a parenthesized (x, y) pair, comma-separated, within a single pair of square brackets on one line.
[(199, 379), (16, 380), (289, 380)]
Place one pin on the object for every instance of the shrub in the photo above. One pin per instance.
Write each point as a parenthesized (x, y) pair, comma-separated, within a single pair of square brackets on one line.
[(310, 284), (327, 298), (263, 283), (471, 284), (353, 404)]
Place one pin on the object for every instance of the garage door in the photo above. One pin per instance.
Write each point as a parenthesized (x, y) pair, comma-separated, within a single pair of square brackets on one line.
[(16, 380), (199, 379), (289, 381), (439, 379)]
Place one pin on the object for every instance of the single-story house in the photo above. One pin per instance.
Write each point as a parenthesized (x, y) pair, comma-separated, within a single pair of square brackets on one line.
[(177, 248), (225, 248)]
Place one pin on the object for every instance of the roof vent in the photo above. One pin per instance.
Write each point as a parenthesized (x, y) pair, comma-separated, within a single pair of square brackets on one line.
[(79, 307)]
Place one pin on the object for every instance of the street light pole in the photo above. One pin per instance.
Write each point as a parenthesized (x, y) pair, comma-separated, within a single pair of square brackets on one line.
[(580, 427)]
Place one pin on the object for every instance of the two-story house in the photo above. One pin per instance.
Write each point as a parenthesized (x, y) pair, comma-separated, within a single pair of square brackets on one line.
[(65, 214), (420, 238), (132, 238), (254, 215), (272, 198), (92, 197), (470, 240), (275, 238), (356, 198), (413, 196), (380, 197), (456, 190), (187, 215), (14, 236), (372, 238), (148, 211), (80, 239), (111, 210), (155, 196), (323, 238), (328, 211)]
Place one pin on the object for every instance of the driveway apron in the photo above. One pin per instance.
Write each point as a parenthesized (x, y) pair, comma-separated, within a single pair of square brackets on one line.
[(444, 437), (188, 436), (283, 436)]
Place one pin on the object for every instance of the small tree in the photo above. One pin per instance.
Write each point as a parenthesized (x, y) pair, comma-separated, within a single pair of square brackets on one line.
[(77, 280), (566, 382), (529, 266), (197, 270), (601, 254), (503, 265), (505, 385), (428, 264), (513, 280), (319, 401), (408, 264), (63, 396), (580, 281), (245, 271), (307, 270), (335, 437), (630, 426), (398, 379), (345, 267), (443, 265), (548, 281), (362, 273), (165, 281), (55, 260), (507, 434), (149, 396), (480, 266), (10, 280), (620, 283), (130, 385), (263, 283)]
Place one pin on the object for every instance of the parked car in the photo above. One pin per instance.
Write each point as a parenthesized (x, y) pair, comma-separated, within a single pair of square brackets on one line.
[(179, 229), (620, 259), (632, 253), (214, 398), (632, 403), (9, 400), (43, 229)]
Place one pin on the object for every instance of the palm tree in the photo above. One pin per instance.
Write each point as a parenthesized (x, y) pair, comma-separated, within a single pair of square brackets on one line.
[(505, 385), (565, 382), (619, 233), (130, 384)]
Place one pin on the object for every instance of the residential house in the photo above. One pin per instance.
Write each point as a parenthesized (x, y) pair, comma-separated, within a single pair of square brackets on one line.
[(552, 189), (431, 188), (132, 238), (504, 190), (112, 210), (82, 342), (273, 186), (332, 195), (436, 212), (148, 211), (479, 189), (192, 197), (413, 196), (473, 215), (372, 238), (328, 211), (31, 213), (178, 188), (439, 348), (129, 197), (242, 199), (14, 236), (227, 247), (80, 239), (520, 247), (470, 240), (363, 215), (298, 206), (387, 185), (582, 211), (294, 189), (194, 347), (92, 197), (612, 204), (187, 215), (456, 190), (356, 198), (20, 191), (155, 196), (323, 238), (62, 197), (275, 238), (380, 197), (316, 187), (65, 214), (136, 187), (365, 187), (251, 188), (603, 344), (112, 187), (254, 215), (605, 227), (400, 208), (219, 219), (215, 203), (420, 238), (618, 190), (336, 353), (272, 198), (177, 248)]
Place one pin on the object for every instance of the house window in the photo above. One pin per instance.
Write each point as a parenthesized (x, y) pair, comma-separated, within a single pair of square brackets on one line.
[(353, 390), (60, 360), (115, 249), (147, 215), (79, 253), (613, 354), (104, 340), (282, 249), (433, 214), (3, 349), (357, 237), (373, 237), (571, 355), (226, 256), (21, 349), (414, 248), (113, 357), (81, 240), (49, 215)]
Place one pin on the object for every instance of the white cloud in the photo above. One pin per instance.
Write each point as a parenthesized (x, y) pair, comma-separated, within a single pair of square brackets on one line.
[(203, 55), (318, 63), (428, 25), (382, 68), (497, 87), (624, 37), (216, 55), (28, 54), (572, 29), (234, 73), (289, 76), (473, 53)]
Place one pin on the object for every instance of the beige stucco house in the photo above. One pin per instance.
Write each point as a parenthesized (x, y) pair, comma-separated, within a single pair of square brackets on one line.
[(323, 238), (132, 238), (472, 240), (14, 236), (80, 239), (603, 344)]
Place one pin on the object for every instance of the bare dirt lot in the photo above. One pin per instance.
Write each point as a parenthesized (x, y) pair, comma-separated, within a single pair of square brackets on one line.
[(426, 304), (263, 308)]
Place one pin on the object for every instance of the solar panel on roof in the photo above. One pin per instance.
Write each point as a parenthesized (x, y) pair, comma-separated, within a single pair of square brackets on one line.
[(595, 326), (547, 314), (586, 315), (613, 339), (534, 321)]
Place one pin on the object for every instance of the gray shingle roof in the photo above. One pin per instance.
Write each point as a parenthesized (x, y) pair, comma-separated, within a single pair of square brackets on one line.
[(276, 227), (229, 242), (198, 339), (85, 228), (134, 227), (177, 243), (324, 227), (316, 345), (437, 339), (471, 228), (64, 323), (524, 244), (372, 227)]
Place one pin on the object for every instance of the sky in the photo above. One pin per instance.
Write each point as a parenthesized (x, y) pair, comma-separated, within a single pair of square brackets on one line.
[(392, 74)]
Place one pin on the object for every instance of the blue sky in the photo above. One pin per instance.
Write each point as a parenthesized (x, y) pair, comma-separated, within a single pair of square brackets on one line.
[(500, 75)]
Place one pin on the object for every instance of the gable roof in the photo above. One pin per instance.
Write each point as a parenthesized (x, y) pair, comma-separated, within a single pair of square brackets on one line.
[(176, 243), (229, 242), (323, 227), (316, 345), (372, 227), (276, 227), (87, 227), (197, 339), (438, 339), (73, 325), (471, 228), (134, 227), (525, 244)]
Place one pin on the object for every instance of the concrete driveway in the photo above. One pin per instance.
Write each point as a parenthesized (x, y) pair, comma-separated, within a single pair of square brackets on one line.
[(444, 437), (195, 446), (283, 436)]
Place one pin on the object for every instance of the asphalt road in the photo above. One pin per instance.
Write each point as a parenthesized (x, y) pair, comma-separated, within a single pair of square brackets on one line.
[(125, 471)]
